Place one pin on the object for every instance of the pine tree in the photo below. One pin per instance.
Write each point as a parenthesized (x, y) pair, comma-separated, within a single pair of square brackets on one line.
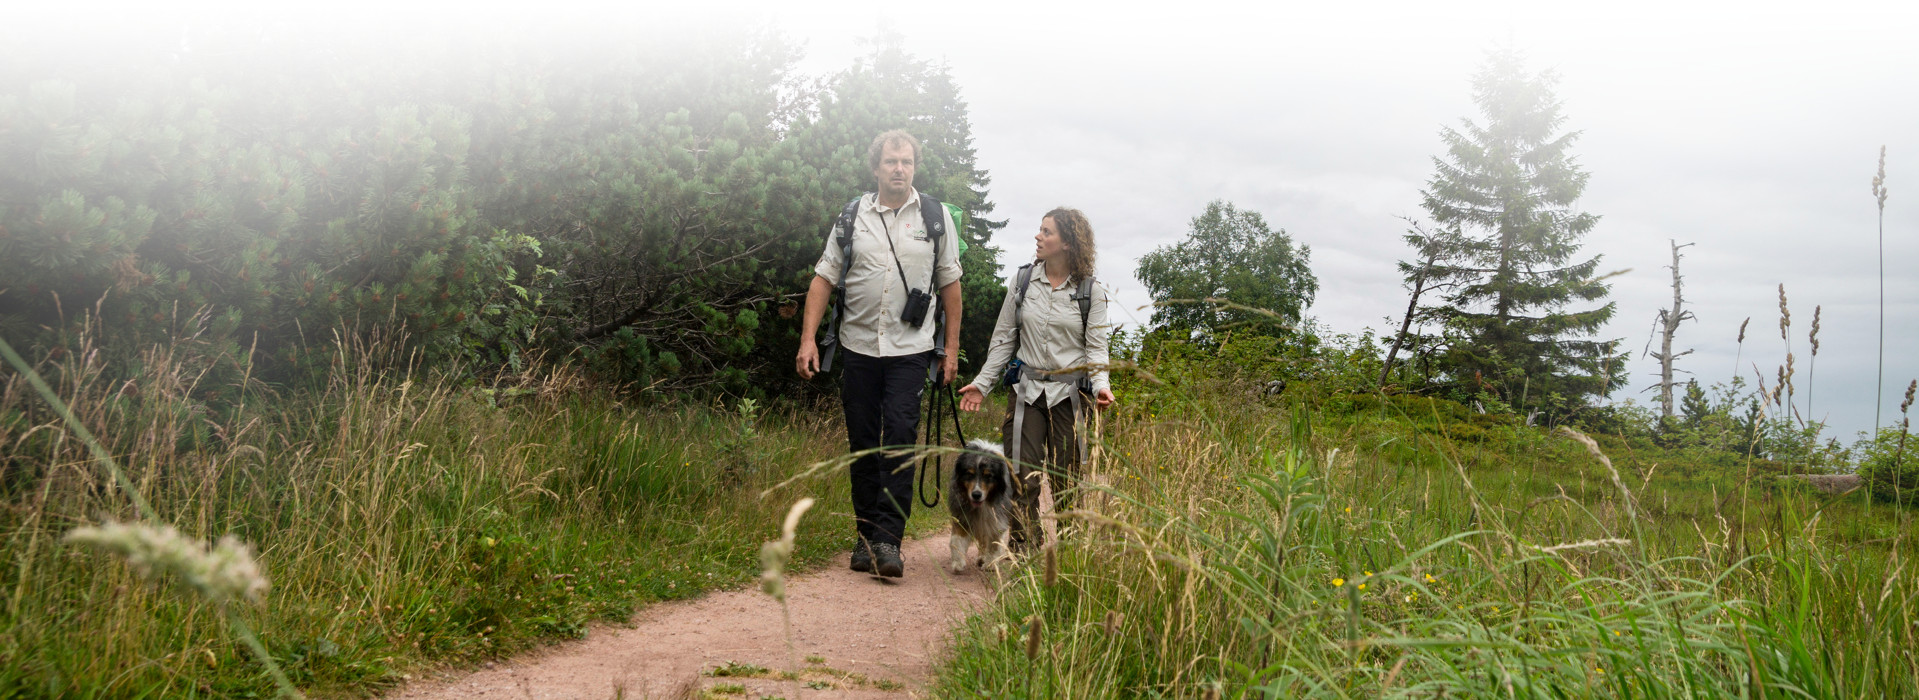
[(1504, 198)]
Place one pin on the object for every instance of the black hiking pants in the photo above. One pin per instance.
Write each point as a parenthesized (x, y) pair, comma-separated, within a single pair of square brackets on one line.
[(882, 400)]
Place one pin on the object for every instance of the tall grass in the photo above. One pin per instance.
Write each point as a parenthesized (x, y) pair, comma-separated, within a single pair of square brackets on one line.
[(1354, 546), (404, 523)]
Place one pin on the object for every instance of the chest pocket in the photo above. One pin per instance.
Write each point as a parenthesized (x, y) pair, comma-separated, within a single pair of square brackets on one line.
[(916, 252), (914, 247)]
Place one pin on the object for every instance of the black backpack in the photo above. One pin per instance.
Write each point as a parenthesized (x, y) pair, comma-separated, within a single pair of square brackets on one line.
[(930, 216)]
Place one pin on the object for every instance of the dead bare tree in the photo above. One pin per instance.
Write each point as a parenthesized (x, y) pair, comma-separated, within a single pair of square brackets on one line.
[(1416, 275), (1668, 324)]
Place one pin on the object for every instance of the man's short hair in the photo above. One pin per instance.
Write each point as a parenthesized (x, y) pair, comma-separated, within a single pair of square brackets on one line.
[(894, 136)]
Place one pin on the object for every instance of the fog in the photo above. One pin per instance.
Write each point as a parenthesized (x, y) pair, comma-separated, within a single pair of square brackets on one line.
[(1749, 132)]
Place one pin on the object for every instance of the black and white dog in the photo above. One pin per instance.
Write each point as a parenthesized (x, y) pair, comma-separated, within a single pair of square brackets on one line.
[(981, 500)]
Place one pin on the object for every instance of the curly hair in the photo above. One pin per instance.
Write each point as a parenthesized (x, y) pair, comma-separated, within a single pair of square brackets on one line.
[(894, 136), (1077, 233)]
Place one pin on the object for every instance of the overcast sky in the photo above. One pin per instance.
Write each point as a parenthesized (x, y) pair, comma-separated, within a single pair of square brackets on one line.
[(1749, 130), (1753, 134)]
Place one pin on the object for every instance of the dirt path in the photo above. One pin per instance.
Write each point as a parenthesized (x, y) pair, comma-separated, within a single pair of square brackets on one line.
[(858, 636)]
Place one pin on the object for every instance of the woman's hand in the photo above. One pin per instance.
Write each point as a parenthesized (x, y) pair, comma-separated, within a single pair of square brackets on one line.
[(1104, 398), (970, 398)]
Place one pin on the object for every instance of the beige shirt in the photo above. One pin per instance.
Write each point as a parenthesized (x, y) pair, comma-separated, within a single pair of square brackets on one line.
[(875, 296), (1049, 337)]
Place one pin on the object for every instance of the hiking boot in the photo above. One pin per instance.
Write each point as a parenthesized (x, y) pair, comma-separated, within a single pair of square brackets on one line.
[(887, 562), (862, 558)]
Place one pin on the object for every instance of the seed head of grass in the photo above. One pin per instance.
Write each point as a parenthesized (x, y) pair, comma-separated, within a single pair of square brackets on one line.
[(224, 573), (1052, 566), (1785, 314), (1879, 181), (1787, 379), (1032, 637), (774, 555), (1742, 329), (1815, 330)]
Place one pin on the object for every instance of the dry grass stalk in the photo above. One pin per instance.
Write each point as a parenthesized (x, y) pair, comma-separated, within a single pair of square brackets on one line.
[(1584, 544), (773, 558), (1593, 447), (1879, 384), (1813, 363)]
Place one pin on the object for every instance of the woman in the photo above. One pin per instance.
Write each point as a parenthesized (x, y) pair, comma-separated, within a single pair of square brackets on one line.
[(1057, 344)]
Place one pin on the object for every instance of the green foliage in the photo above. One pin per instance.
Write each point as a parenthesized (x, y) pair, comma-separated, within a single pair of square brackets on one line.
[(1503, 198), (1337, 544), (404, 525), (1232, 255), (641, 205), (1888, 466)]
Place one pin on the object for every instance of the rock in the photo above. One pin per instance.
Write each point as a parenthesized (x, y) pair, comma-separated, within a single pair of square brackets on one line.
[(1828, 483)]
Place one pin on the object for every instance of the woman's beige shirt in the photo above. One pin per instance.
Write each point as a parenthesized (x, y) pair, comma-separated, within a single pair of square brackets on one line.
[(1049, 337)]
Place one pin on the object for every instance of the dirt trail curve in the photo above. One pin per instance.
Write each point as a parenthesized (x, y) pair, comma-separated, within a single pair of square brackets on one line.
[(872, 639)]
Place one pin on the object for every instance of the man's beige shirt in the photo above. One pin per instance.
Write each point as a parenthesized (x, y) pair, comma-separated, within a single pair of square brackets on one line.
[(875, 296), (1049, 337)]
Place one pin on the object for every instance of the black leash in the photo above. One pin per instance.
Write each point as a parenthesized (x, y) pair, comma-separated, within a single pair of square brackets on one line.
[(932, 433)]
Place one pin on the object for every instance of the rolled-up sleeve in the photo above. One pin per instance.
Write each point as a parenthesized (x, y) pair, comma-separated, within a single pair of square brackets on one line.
[(999, 350), (1099, 329), (832, 260), (947, 269)]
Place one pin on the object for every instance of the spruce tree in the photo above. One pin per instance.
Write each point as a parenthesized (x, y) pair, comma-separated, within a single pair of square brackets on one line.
[(1504, 196)]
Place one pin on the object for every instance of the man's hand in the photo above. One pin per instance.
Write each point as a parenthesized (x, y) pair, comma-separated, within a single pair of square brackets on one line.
[(1104, 398), (970, 398), (949, 366), (808, 362)]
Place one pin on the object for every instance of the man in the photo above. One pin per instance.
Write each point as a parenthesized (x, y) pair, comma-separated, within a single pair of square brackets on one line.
[(886, 358)]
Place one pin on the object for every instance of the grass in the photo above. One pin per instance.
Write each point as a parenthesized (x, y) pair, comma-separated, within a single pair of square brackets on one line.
[(404, 525), (1331, 545), (1318, 544)]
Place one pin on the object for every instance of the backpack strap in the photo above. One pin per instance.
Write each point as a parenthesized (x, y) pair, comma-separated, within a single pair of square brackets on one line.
[(933, 217), (1085, 298), (843, 235), (1020, 280)]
